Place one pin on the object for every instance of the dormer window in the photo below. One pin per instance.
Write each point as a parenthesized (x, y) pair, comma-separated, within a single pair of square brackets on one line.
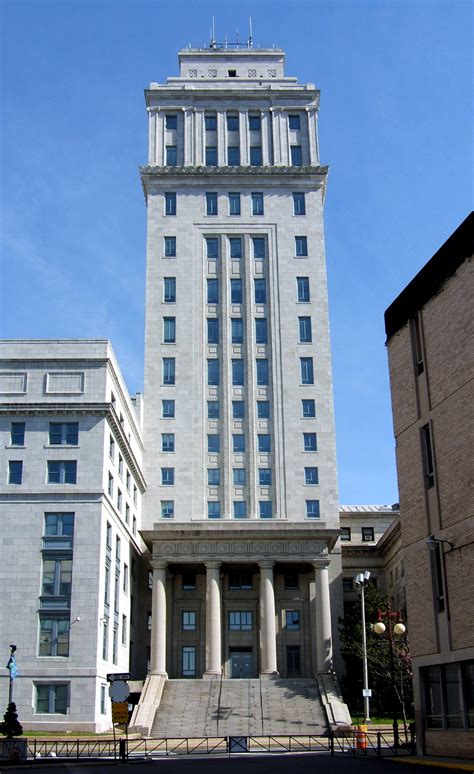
[(232, 73)]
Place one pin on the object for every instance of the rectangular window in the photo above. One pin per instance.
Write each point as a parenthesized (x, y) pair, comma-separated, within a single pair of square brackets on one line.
[(292, 619), (265, 509), (213, 509), (291, 581), (312, 509), (17, 434), (311, 476), (233, 156), (234, 204), (240, 620), (57, 578), (301, 246), (213, 443), (294, 121), (167, 442), (167, 412), (171, 156), (213, 477), (120, 465), (213, 409), (212, 248), (346, 534), (171, 121), (237, 330), (167, 476), (212, 330), (170, 204), (238, 409), (54, 636), (258, 247), (240, 581), (438, 577), (307, 375), (260, 291), (235, 247), (119, 500), (112, 448), (167, 509), (236, 291), (125, 579), (63, 472), (232, 123), (211, 203), (58, 530), (169, 330), (261, 330), (265, 476), (367, 534), (238, 373), (52, 698), (238, 443), (257, 203), (210, 122), (347, 584), (170, 246), (303, 289), (239, 476), (110, 485), (417, 345), (212, 291), (240, 509), (169, 374), (264, 443), (127, 513), (128, 479), (255, 156), (310, 442), (262, 372), (169, 290), (188, 581), (124, 629), (296, 156), (263, 409), (304, 327), (63, 433), (427, 455), (15, 471), (213, 372), (211, 156), (299, 204), (308, 408), (188, 660), (188, 621), (254, 123), (103, 700)]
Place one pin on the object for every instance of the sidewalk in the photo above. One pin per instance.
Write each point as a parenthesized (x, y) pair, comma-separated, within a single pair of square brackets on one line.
[(458, 764)]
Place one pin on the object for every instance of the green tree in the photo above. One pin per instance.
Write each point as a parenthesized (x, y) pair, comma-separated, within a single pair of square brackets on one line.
[(11, 726), (385, 698)]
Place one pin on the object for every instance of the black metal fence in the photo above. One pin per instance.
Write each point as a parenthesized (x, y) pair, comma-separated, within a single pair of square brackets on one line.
[(356, 743)]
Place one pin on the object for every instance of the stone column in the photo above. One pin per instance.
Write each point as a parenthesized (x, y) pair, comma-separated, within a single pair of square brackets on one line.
[(213, 621), (267, 620), (221, 135), (151, 135), (244, 138), (265, 128), (158, 620), (187, 136), (313, 153), (323, 618)]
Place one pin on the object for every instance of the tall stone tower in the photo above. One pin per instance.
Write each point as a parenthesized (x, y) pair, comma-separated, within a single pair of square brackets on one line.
[(242, 506)]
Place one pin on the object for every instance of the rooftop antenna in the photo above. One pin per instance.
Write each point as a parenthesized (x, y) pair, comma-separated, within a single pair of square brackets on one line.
[(237, 31), (250, 40), (213, 35)]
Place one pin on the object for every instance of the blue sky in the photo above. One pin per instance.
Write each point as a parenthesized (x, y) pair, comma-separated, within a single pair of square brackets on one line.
[(395, 129)]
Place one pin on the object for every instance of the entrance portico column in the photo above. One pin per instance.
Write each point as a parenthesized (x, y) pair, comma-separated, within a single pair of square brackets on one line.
[(323, 618), (267, 620), (213, 621), (158, 620)]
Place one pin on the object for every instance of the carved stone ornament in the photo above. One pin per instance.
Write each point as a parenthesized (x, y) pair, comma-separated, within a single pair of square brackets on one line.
[(250, 550)]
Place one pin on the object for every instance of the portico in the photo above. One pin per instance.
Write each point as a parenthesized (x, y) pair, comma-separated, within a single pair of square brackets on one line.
[(230, 602)]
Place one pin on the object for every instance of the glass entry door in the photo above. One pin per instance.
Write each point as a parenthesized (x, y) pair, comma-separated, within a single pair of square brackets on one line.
[(241, 664)]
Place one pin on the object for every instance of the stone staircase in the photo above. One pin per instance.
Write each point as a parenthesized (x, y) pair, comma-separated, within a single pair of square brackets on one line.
[(268, 707)]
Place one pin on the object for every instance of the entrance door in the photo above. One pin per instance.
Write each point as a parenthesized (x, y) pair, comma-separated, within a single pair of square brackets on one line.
[(241, 664)]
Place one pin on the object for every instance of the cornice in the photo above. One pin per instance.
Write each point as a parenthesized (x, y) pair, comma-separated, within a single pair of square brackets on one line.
[(155, 171)]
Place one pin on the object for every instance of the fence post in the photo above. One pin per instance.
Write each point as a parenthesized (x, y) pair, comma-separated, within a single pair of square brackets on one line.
[(331, 742), (122, 755), (379, 744), (77, 749)]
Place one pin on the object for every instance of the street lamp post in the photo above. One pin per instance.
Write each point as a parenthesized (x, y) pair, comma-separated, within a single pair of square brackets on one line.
[(361, 581), (399, 628), (12, 668)]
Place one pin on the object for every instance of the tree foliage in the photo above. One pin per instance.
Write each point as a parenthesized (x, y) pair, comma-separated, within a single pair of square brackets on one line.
[(386, 699)]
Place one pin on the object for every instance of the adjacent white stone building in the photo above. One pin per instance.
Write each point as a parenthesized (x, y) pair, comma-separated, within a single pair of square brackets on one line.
[(241, 513), (70, 503)]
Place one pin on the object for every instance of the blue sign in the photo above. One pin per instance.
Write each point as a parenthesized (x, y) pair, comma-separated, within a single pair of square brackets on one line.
[(12, 667)]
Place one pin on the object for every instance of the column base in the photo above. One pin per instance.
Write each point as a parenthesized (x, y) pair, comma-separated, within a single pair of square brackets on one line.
[(269, 674), (210, 675), (158, 673)]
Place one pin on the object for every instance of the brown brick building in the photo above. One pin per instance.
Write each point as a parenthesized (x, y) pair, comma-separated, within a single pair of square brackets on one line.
[(430, 348)]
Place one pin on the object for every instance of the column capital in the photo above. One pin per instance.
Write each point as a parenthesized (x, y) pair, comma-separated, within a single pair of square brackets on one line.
[(212, 565), (158, 564), (266, 564), (321, 564)]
